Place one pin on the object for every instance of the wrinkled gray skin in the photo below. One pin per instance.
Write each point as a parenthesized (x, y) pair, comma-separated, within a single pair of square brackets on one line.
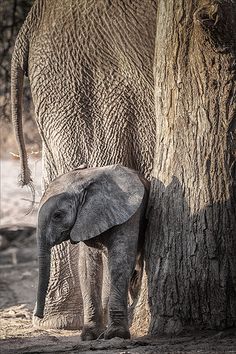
[(90, 66), (105, 208)]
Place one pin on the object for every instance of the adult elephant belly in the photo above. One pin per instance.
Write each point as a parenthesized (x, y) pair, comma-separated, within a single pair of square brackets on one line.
[(92, 87)]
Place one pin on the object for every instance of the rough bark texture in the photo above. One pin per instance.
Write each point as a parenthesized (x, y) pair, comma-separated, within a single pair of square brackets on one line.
[(191, 251)]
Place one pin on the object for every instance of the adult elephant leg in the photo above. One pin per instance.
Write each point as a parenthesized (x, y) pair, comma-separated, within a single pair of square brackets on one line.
[(64, 307)]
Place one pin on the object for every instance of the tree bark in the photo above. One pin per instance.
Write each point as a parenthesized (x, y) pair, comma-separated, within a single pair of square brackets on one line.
[(191, 243)]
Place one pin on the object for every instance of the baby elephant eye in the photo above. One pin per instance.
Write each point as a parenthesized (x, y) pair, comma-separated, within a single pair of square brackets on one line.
[(58, 215)]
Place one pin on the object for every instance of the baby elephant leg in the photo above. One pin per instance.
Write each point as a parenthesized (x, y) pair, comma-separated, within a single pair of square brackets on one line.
[(122, 251), (90, 270)]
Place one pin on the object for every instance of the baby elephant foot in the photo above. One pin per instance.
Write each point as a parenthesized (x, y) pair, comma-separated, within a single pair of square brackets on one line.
[(117, 331), (91, 332)]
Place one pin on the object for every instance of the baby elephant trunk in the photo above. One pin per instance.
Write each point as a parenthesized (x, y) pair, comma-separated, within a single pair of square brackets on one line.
[(44, 275)]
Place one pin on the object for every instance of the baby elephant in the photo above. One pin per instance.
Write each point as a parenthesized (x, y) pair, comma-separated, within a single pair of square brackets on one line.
[(105, 208)]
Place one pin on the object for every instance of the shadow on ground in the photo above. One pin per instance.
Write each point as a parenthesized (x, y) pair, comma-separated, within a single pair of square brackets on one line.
[(18, 278)]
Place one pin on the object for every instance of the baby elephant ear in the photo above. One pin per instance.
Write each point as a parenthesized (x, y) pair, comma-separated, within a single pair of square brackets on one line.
[(113, 196)]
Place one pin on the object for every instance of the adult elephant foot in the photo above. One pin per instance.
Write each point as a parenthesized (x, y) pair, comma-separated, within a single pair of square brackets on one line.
[(91, 332), (64, 307), (117, 331), (59, 321)]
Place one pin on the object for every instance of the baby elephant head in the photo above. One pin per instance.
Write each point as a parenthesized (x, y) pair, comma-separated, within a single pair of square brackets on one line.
[(80, 205)]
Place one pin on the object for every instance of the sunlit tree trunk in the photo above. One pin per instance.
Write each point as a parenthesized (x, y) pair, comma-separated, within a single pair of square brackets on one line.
[(191, 245)]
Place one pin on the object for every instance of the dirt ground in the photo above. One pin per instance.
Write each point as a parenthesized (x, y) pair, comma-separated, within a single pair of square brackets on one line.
[(18, 278)]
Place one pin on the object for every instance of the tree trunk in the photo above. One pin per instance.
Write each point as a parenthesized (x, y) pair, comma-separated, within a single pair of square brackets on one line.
[(191, 246)]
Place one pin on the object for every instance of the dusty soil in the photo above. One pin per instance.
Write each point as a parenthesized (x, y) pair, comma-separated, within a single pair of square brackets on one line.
[(18, 278)]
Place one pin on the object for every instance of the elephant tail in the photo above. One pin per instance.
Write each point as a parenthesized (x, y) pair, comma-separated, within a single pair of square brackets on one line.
[(19, 68)]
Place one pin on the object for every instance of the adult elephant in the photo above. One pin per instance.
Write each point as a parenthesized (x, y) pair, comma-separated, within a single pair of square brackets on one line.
[(90, 69)]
